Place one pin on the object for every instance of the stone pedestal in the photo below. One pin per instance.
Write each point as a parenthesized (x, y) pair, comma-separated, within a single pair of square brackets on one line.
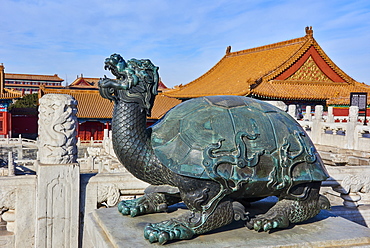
[(108, 228), (58, 173), (6, 239), (57, 205)]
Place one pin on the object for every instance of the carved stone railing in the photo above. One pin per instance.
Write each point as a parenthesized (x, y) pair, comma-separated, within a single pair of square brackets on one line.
[(344, 145), (90, 142), (350, 183), (342, 132), (17, 141)]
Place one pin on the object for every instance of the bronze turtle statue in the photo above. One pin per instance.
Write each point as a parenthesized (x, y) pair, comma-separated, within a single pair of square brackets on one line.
[(212, 153)]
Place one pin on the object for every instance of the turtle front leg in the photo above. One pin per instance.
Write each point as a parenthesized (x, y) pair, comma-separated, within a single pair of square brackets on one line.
[(189, 224), (286, 211), (149, 203)]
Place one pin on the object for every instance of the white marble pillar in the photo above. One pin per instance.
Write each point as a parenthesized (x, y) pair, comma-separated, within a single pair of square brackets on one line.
[(308, 115), (11, 169), (330, 115), (58, 174), (351, 127), (292, 108), (317, 125)]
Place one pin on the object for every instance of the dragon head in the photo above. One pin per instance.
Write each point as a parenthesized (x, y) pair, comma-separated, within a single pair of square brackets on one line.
[(116, 64), (136, 81)]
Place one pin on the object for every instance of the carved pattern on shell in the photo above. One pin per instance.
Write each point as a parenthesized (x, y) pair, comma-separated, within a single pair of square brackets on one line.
[(282, 175)]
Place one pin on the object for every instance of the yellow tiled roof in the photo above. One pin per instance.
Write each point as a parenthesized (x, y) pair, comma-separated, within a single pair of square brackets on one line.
[(300, 90), (252, 72), (14, 76), (92, 105), (237, 71), (85, 82), (344, 99), (162, 104)]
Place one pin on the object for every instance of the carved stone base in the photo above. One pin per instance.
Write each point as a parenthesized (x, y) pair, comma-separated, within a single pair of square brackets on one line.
[(108, 228), (7, 239), (57, 205)]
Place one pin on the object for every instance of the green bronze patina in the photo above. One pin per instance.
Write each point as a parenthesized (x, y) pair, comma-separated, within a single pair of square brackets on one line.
[(214, 153), (231, 135)]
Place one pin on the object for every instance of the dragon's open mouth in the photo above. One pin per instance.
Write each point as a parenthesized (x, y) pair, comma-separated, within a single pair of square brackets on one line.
[(105, 90)]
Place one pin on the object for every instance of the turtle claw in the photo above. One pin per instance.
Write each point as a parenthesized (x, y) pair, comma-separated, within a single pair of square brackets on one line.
[(132, 208), (263, 223), (167, 230), (149, 203)]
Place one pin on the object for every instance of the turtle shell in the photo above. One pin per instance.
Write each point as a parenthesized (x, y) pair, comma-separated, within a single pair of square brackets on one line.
[(238, 139)]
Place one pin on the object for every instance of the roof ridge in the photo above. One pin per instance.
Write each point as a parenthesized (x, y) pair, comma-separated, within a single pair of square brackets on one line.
[(242, 52), (268, 47), (32, 76), (286, 64), (331, 64)]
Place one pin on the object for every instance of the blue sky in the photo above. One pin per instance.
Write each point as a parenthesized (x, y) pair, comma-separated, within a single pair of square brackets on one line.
[(184, 38)]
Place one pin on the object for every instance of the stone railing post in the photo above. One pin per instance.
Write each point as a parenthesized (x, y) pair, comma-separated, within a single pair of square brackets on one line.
[(292, 110), (330, 115), (316, 131), (351, 127), (11, 169), (58, 173), (308, 115), (106, 134)]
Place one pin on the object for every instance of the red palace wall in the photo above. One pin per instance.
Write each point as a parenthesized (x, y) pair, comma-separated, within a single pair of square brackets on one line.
[(91, 129), (344, 111), (4, 123), (25, 125)]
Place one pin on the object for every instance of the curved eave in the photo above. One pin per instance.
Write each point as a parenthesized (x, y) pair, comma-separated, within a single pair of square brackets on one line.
[(284, 98), (185, 96), (174, 92), (302, 90)]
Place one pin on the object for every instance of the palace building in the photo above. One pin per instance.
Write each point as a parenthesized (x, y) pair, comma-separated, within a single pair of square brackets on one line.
[(29, 84), (14, 86), (295, 71)]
